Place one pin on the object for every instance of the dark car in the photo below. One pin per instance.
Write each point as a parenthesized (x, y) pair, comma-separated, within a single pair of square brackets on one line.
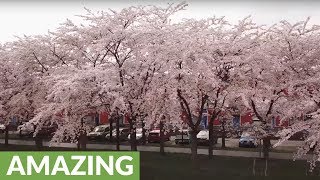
[(182, 137), (299, 136), (99, 132), (154, 136), (47, 131)]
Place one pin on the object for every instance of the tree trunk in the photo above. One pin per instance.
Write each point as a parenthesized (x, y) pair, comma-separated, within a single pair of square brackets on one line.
[(82, 141), (111, 130), (118, 134), (211, 139), (78, 144), (143, 138), (254, 167), (39, 142), (260, 148), (223, 141), (20, 133), (266, 149), (38, 139), (266, 168), (161, 138), (223, 135), (6, 136), (133, 139), (182, 137), (194, 145)]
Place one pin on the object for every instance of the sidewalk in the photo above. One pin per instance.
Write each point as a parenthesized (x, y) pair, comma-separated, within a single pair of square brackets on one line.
[(250, 154)]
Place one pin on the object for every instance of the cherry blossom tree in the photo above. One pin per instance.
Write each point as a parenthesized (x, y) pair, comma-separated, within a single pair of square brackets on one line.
[(185, 76), (21, 92), (297, 44), (117, 40), (225, 48), (107, 41), (269, 78), (136, 62), (73, 94)]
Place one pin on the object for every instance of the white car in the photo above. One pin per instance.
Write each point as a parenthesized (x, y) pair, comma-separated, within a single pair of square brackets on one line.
[(2, 128), (26, 129), (139, 134), (247, 140), (123, 134), (203, 137)]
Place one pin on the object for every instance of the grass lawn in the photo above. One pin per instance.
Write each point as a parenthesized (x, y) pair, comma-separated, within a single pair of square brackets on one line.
[(157, 167), (178, 166)]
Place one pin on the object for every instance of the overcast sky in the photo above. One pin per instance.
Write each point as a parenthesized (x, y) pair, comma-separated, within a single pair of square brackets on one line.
[(18, 17)]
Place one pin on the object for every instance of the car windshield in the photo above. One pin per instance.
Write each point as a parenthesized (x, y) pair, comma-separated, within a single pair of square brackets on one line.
[(139, 131), (99, 129), (203, 132), (121, 130), (26, 126), (154, 133)]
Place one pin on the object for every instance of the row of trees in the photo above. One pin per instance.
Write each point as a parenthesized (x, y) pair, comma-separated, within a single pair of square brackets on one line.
[(138, 62)]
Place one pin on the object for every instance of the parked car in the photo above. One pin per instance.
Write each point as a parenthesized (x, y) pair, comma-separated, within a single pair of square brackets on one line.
[(183, 137), (123, 134), (99, 132), (154, 136), (26, 129), (299, 136), (139, 134), (2, 128), (48, 130), (248, 140), (203, 137)]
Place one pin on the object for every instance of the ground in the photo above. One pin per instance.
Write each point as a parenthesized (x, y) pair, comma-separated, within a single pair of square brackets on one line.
[(178, 166), (231, 144)]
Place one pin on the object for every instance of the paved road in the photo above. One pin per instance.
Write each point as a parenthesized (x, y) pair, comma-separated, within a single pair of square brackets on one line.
[(230, 142), (273, 155)]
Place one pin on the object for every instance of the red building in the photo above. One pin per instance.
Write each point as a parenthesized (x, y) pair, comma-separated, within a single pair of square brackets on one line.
[(240, 120)]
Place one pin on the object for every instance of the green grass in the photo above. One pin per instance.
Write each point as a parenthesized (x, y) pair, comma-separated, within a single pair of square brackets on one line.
[(157, 167), (179, 166)]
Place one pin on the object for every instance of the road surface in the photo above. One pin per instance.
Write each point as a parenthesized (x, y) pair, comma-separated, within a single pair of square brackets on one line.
[(251, 154)]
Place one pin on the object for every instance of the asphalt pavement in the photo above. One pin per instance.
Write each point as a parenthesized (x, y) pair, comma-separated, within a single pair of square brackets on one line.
[(150, 148)]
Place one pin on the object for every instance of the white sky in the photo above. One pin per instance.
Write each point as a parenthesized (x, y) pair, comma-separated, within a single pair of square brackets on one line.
[(36, 17)]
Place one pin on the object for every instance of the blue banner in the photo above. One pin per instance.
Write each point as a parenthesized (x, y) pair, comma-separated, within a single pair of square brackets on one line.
[(236, 121), (204, 119)]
